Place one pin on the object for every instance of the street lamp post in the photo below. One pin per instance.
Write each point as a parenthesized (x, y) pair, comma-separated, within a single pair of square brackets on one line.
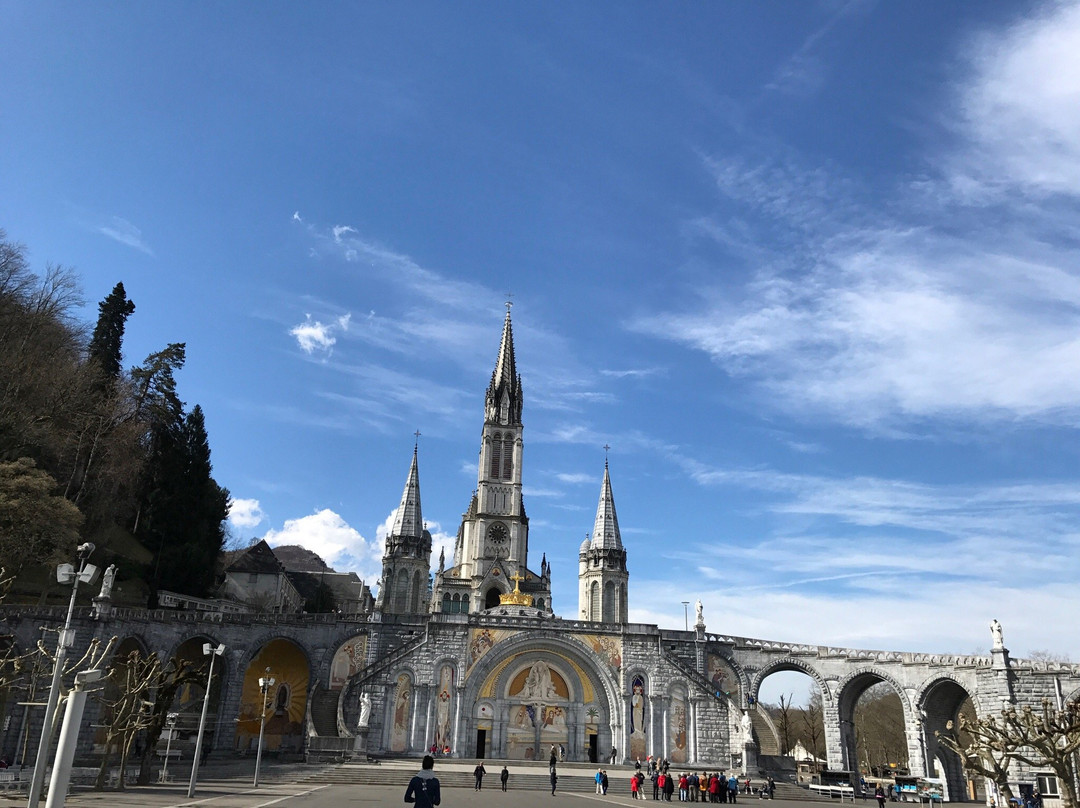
[(170, 723), (265, 683), (69, 737), (65, 574), (212, 652)]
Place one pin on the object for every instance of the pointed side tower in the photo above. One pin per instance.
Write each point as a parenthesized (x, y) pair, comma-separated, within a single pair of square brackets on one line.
[(407, 560), (493, 541), (602, 573)]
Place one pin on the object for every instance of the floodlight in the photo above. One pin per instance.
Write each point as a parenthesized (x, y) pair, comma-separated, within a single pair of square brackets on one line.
[(65, 573), (89, 677)]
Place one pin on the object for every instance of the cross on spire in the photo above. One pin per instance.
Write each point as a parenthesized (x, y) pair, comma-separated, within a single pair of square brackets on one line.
[(509, 301), (416, 435)]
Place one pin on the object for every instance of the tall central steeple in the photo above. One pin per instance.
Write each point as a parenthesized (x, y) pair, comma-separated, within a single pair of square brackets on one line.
[(407, 557), (493, 541), (503, 401)]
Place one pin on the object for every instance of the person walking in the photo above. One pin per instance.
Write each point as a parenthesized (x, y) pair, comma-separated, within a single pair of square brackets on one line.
[(479, 773), (423, 788), (879, 795), (733, 789), (504, 775), (603, 781), (596, 779), (655, 785), (554, 779), (633, 786)]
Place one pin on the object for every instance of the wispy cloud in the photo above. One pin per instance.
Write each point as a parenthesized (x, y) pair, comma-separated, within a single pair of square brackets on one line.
[(892, 321), (126, 233), (804, 71)]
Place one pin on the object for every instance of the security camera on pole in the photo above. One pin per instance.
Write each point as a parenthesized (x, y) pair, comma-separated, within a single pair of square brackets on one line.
[(212, 652), (65, 574)]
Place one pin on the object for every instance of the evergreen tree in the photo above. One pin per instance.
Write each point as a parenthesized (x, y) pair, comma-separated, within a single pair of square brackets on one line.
[(185, 511), (107, 342)]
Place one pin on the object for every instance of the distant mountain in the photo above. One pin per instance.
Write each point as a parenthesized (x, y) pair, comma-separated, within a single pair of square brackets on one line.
[(296, 558)]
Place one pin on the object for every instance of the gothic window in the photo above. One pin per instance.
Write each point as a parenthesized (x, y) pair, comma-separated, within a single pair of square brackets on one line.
[(414, 593), (464, 604), (594, 601), (492, 598), (400, 591), (609, 602), (446, 603), (540, 603), (508, 458), (496, 452)]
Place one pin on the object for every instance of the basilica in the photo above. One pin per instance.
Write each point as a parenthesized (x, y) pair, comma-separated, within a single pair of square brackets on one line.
[(474, 661), (482, 665)]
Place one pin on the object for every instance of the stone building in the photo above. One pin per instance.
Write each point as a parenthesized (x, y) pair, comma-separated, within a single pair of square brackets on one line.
[(478, 662)]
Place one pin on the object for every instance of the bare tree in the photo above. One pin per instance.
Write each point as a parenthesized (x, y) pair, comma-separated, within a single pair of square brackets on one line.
[(1038, 737), (783, 722), (814, 721)]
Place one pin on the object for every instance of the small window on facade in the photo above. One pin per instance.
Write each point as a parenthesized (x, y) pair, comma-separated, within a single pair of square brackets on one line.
[(508, 459), (1047, 785), (496, 454)]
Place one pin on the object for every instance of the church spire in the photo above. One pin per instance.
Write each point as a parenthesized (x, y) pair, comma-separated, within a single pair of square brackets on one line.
[(606, 534), (408, 521), (503, 400)]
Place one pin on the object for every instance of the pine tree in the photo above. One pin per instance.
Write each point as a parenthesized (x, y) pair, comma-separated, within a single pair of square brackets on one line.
[(107, 342)]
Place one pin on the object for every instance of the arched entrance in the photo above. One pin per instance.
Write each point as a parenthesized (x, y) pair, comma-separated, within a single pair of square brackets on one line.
[(860, 695), (942, 702), (286, 702), (528, 697)]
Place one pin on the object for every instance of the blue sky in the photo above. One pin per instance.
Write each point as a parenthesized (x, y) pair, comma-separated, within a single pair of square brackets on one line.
[(810, 269)]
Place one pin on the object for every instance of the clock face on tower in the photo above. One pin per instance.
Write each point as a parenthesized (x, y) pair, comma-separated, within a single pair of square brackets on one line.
[(498, 537)]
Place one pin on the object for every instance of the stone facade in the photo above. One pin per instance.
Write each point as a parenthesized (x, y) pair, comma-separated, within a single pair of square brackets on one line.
[(502, 676)]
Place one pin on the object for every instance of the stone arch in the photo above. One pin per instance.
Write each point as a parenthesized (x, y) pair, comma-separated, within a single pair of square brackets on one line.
[(587, 682), (784, 664), (940, 700), (291, 668), (491, 597), (848, 692)]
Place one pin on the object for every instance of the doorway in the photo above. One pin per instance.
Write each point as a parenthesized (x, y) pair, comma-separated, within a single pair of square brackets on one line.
[(481, 743), (594, 750)]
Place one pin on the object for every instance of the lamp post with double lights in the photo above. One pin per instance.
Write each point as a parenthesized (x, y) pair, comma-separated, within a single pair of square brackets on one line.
[(265, 683), (212, 652), (65, 574)]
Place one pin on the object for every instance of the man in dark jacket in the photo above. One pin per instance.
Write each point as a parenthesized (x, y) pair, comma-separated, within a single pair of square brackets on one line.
[(479, 773), (424, 787)]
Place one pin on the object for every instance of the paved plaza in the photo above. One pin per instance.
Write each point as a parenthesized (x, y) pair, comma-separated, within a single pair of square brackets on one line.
[(298, 786)]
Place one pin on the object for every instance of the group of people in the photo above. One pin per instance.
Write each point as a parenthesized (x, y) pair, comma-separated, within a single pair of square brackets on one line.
[(692, 787)]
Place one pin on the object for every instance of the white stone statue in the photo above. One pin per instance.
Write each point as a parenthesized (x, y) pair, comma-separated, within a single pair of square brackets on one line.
[(700, 613), (538, 685), (365, 710), (107, 582), (995, 630), (747, 727)]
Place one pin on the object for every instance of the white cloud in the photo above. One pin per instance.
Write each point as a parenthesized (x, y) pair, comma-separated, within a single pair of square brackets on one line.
[(126, 233), (314, 335), (576, 479), (245, 512), (334, 540), (944, 311), (1021, 106)]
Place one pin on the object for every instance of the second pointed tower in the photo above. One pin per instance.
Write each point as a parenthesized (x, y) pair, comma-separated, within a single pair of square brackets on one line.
[(602, 573), (407, 558)]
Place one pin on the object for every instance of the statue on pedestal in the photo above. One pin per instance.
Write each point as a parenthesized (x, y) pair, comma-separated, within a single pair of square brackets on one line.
[(365, 710), (995, 631), (107, 582)]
